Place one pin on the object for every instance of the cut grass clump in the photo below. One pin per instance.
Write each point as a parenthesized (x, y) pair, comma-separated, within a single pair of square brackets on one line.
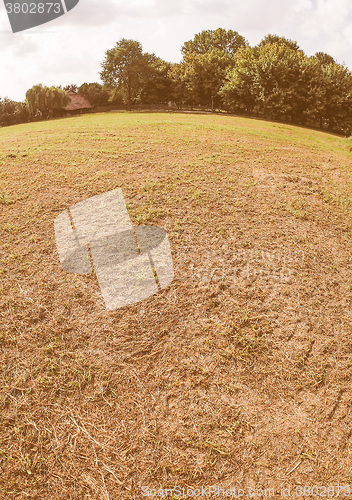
[(5, 200), (149, 185), (298, 208)]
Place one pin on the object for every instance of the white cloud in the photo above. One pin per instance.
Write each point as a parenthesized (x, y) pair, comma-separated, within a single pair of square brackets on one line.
[(301, 6), (332, 14)]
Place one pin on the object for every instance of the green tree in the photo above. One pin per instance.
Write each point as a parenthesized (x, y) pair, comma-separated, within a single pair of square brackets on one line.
[(272, 39), (337, 104), (71, 88), (157, 87), (227, 41), (22, 112), (203, 75), (96, 94), (278, 71), (240, 91), (206, 59), (124, 68), (12, 112), (7, 111), (179, 90), (309, 94), (279, 82), (269, 80), (116, 97), (324, 59), (333, 93), (7, 106), (46, 99)]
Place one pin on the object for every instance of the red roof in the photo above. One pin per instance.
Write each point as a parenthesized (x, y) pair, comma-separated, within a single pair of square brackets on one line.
[(77, 102)]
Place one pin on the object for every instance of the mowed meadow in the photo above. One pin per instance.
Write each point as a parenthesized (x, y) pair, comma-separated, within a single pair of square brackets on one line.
[(236, 375)]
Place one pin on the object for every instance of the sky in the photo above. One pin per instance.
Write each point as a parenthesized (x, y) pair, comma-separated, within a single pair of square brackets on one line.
[(71, 48)]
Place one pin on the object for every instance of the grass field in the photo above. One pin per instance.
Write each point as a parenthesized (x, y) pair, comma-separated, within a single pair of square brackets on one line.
[(239, 373)]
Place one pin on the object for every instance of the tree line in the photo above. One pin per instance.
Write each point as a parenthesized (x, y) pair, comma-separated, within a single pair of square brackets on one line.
[(219, 70)]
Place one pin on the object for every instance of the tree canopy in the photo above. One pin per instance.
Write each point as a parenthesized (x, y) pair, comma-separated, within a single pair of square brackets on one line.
[(44, 99), (227, 41), (277, 80), (96, 94), (139, 77), (206, 59), (324, 59), (124, 67), (270, 39)]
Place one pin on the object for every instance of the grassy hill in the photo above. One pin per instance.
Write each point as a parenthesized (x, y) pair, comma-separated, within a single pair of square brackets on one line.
[(239, 373)]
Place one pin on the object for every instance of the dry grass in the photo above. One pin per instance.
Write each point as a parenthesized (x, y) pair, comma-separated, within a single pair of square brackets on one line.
[(239, 374)]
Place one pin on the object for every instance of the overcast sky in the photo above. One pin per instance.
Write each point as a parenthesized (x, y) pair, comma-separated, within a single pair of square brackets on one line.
[(71, 48)]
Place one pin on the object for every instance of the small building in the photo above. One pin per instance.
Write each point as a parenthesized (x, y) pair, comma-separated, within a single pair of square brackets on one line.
[(78, 104)]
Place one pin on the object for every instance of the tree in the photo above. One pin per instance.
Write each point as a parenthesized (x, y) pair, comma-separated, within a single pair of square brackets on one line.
[(46, 99), (333, 99), (278, 71), (12, 112), (157, 87), (96, 94), (124, 68), (179, 90), (21, 113), (71, 88), (270, 39), (207, 41), (278, 81), (324, 59), (116, 97), (239, 90), (202, 76), (308, 92), (7, 106), (7, 111), (267, 79), (337, 105), (206, 60)]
